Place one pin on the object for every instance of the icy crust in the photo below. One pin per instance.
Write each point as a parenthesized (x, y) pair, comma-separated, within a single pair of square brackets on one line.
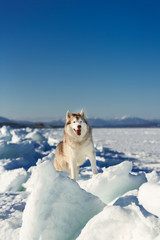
[(114, 182), (57, 207)]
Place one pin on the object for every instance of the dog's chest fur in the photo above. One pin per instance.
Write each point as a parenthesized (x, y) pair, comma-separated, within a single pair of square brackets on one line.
[(76, 147)]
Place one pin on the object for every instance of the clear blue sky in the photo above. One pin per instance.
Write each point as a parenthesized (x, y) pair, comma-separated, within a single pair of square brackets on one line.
[(56, 55)]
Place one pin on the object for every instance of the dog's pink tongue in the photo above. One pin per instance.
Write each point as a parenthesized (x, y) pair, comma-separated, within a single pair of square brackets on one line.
[(78, 132)]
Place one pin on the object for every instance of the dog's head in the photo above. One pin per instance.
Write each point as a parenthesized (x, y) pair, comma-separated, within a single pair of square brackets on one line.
[(76, 123)]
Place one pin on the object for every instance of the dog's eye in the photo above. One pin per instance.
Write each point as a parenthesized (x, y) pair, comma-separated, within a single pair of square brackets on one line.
[(80, 121), (74, 121)]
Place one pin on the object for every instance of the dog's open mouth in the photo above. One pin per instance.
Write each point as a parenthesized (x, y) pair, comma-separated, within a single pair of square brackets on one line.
[(78, 132)]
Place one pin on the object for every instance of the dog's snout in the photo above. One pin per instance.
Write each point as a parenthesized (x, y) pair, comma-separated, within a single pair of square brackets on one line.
[(79, 126)]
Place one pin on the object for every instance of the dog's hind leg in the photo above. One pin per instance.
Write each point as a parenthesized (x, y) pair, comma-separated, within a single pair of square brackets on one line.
[(56, 164), (77, 172)]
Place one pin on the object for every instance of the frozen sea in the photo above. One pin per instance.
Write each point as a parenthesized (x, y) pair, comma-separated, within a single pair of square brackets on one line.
[(121, 202)]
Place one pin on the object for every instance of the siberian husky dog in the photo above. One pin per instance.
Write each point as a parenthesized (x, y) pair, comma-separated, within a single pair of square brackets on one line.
[(76, 145)]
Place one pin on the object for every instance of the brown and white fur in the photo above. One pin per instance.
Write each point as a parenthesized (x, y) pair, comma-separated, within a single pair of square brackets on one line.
[(76, 145)]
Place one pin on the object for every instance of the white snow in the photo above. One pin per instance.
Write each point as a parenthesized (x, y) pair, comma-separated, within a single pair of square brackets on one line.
[(121, 202), (115, 222), (11, 209), (57, 207), (114, 182), (141, 146), (36, 136), (12, 180), (149, 197)]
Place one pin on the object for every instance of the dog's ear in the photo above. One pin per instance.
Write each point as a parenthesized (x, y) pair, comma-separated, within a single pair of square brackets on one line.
[(68, 115), (82, 113)]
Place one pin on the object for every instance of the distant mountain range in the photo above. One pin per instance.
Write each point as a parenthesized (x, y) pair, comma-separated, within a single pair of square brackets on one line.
[(125, 121)]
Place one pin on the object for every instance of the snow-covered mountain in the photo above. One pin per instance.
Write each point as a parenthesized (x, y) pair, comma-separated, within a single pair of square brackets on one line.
[(11, 122), (125, 121), (3, 119)]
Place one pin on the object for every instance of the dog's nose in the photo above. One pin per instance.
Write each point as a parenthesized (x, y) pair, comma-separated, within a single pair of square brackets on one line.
[(79, 126)]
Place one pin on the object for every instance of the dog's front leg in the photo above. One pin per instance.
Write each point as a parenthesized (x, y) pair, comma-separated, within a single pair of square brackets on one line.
[(92, 159), (73, 169), (93, 164)]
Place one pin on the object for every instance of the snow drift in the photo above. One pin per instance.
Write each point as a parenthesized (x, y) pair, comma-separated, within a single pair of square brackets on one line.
[(115, 222), (12, 180), (113, 182), (12, 206), (21, 148), (57, 207), (149, 197)]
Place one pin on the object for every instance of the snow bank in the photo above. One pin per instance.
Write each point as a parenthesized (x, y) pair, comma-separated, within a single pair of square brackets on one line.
[(23, 154), (13, 150), (113, 182), (36, 136), (153, 177), (5, 133), (115, 223), (57, 208), (12, 206), (12, 180), (149, 197), (21, 147)]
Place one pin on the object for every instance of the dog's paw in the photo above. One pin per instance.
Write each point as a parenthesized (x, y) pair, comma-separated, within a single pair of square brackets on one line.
[(95, 171)]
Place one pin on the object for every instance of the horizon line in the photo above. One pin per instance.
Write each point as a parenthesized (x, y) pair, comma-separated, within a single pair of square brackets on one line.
[(50, 119)]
